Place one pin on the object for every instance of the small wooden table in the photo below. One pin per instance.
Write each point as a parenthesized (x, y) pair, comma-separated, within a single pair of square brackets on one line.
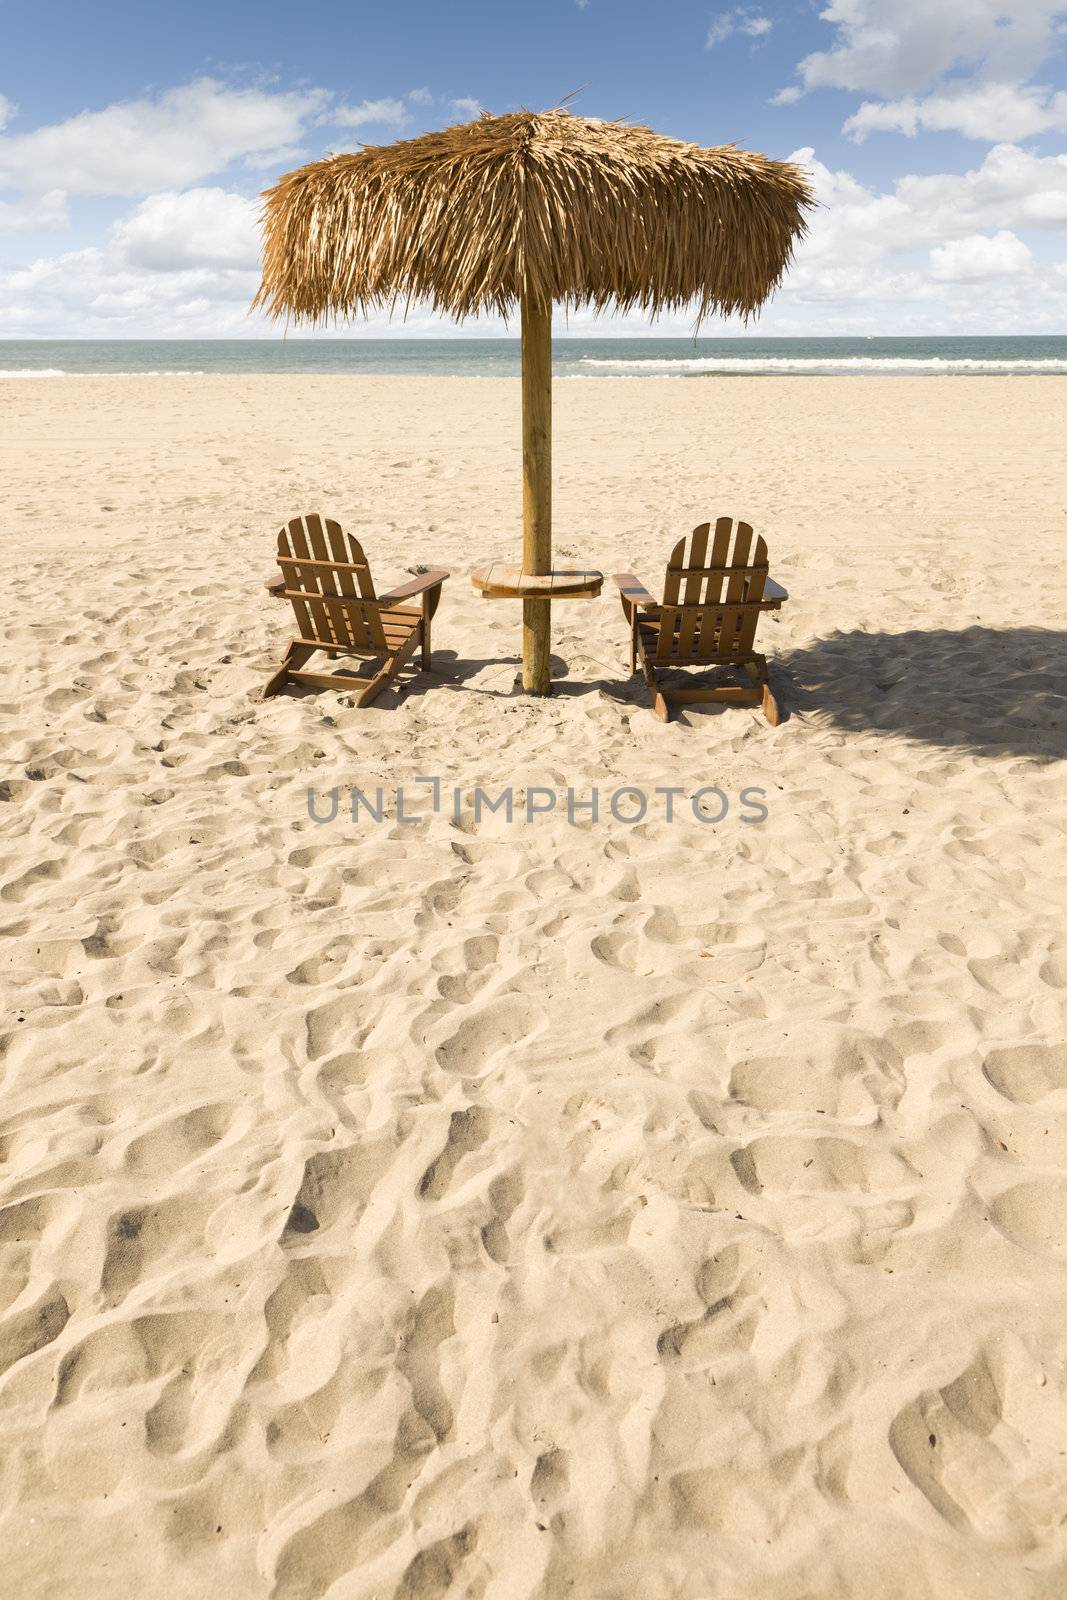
[(502, 580)]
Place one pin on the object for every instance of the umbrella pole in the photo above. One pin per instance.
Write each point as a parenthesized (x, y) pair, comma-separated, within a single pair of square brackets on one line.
[(536, 487)]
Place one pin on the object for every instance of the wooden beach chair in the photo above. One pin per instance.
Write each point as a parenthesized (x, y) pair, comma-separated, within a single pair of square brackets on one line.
[(325, 575), (708, 616)]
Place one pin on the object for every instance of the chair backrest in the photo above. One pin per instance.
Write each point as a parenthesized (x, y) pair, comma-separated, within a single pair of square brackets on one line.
[(711, 603), (329, 583)]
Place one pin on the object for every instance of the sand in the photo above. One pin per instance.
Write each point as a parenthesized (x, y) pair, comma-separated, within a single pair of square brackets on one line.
[(598, 1209)]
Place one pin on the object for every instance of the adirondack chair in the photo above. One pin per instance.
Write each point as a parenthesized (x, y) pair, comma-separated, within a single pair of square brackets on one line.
[(325, 575), (701, 623)]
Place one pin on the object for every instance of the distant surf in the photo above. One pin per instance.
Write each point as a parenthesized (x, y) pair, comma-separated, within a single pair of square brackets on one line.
[(827, 365), (602, 358)]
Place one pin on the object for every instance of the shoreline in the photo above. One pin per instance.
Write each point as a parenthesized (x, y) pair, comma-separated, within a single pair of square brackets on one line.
[(559, 377)]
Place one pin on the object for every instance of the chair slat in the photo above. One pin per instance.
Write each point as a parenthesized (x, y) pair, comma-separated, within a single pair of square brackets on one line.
[(720, 558), (732, 617), (754, 589), (292, 543), (671, 584), (342, 581), (689, 621), (368, 611), (717, 569), (348, 630), (301, 534)]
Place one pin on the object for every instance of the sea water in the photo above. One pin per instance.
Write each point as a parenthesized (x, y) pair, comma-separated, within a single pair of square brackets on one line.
[(573, 358)]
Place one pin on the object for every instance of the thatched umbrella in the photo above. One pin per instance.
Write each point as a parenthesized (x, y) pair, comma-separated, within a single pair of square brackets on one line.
[(526, 210)]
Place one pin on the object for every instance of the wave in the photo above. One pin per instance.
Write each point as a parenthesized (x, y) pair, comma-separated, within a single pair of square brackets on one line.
[(929, 364), (62, 372)]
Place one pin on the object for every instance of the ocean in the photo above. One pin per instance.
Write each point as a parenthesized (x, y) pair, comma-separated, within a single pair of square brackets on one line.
[(574, 358)]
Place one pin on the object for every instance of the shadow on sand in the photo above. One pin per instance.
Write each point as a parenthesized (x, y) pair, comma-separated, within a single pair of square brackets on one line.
[(992, 691)]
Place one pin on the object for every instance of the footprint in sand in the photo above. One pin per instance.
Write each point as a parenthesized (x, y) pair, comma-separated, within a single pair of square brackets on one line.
[(480, 1038), (1034, 1215), (177, 1141), (325, 966), (333, 1025), (25, 1332), (986, 1451), (1053, 970), (783, 1165), (122, 1355), (143, 1240), (729, 1322), (855, 1076), (467, 1130), (505, 1195), (337, 1185), (550, 1480), (1027, 1073), (18, 888)]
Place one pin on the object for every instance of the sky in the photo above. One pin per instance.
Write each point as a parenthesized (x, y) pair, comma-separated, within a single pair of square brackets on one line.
[(135, 138)]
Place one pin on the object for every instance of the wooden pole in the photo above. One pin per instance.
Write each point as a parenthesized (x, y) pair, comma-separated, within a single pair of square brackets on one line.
[(536, 488)]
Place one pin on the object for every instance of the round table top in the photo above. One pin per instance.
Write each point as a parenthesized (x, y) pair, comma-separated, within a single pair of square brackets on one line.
[(504, 580)]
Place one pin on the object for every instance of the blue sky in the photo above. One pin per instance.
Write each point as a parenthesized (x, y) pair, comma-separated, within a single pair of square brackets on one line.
[(134, 139)]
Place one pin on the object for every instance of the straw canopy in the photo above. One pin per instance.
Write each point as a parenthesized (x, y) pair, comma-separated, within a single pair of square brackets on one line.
[(548, 206)]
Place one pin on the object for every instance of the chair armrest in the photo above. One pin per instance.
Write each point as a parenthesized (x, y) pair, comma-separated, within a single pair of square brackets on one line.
[(633, 594), (774, 591), (274, 583), (418, 585)]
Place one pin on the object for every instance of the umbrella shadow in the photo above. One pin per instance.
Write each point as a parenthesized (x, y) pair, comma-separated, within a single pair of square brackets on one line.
[(991, 691)]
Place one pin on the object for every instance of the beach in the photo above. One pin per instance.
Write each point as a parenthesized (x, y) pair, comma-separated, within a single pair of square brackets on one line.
[(419, 1203)]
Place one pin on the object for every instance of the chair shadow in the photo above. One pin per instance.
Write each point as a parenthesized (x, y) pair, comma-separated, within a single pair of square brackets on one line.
[(990, 691), (452, 671)]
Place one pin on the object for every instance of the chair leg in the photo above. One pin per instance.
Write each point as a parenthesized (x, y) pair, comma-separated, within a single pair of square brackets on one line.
[(377, 683), (757, 670), (633, 647), (659, 703), (294, 658), (389, 669), (424, 657)]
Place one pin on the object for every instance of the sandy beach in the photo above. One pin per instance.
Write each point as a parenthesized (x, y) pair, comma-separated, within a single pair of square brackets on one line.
[(574, 1208)]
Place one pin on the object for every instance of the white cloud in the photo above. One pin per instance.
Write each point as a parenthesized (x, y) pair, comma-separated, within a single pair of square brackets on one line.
[(470, 107), (390, 112), (180, 264), (990, 111), (899, 47), (200, 228), (7, 110), (968, 271), (87, 293), (740, 20), (38, 214), (961, 66), (420, 97), (178, 138), (980, 257), (1012, 188)]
